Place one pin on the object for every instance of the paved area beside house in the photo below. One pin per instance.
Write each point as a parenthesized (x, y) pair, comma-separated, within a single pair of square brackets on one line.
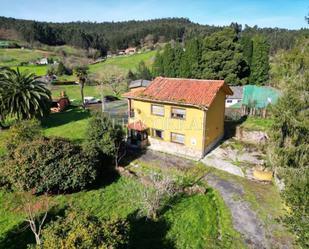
[(238, 162), (166, 160), (245, 220)]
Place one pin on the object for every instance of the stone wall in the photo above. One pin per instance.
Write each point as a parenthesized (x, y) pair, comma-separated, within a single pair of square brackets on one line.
[(251, 136)]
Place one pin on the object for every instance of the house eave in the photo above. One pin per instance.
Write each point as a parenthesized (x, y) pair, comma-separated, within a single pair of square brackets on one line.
[(204, 108)]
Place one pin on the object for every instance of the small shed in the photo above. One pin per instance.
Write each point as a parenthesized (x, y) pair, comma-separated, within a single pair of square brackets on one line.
[(59, 104)]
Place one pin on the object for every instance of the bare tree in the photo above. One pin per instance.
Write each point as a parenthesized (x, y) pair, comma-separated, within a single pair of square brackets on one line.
[(157, 193), (120, 152), (36, 210)]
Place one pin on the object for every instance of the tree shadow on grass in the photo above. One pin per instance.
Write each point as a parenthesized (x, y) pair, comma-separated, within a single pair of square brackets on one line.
[(21, 235), (131, 155), (72, 114), (146, 233)]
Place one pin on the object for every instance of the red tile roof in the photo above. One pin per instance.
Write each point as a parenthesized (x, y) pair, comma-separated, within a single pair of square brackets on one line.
[(182, 91), (137, 125)]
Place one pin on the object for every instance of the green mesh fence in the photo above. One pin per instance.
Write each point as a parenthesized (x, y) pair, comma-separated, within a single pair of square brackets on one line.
[(259, 96)]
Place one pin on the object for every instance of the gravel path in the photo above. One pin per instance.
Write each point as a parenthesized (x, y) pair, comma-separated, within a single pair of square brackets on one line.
[(244, 218)]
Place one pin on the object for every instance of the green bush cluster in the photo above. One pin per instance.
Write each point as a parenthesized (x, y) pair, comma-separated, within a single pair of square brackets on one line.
[(49, 165), (38, 164), (83, 231)]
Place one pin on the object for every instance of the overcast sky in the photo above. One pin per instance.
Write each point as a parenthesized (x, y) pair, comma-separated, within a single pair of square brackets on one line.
[(264, 13)]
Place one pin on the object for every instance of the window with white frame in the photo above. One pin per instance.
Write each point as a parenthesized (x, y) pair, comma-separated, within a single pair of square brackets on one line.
[(177, 138), (178, 113), (157, 110)]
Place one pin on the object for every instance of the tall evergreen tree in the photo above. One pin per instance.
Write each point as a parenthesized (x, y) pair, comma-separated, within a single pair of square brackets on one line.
[(223, 59), (260, 61), (178, 57), (157, 66), (247, 47), (143, 71), (190, 65), (169, 61)]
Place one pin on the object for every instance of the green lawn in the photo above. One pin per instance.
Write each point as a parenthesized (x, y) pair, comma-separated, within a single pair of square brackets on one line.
[(37, 70), (257, 124), (71, 124), (73, 91)]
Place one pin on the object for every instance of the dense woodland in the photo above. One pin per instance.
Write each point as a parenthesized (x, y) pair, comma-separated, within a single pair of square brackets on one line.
[(119, 35), (226, 54)]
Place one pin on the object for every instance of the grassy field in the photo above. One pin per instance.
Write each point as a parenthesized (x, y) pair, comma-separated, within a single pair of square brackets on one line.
[(125, 62), (73, 91), (37, 70), (13, 57), (71, 124), (257, 124)]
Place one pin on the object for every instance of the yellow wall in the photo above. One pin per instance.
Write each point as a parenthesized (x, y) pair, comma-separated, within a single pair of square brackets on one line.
[(191, 127), (215, 118)]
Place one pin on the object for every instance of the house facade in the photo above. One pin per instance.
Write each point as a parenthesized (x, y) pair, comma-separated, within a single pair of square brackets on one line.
[(130, 51), (178, 116)]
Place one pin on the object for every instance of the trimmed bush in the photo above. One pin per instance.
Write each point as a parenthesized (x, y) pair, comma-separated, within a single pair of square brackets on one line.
[(49, 165)]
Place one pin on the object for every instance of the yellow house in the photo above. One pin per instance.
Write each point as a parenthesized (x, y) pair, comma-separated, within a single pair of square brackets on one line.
[(178, 116)]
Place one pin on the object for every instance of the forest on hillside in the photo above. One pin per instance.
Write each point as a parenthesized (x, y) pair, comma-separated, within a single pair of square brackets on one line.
[(112, 36)]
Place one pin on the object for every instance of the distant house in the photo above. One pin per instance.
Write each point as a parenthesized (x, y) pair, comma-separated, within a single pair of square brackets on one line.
[(138, 84), (236, 97), (130, 51), (121, 52), (178, 116), (43, 61)]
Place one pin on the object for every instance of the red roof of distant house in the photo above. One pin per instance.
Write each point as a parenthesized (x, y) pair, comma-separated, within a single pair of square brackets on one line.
[(138, 126), (183, 91)]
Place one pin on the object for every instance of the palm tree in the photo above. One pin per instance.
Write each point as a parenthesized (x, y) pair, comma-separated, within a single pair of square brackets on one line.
[(82, 74), (22, 96)]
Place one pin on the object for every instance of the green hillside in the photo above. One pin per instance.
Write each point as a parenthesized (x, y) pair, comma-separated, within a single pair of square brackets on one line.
[(125, 63), (15, 56)]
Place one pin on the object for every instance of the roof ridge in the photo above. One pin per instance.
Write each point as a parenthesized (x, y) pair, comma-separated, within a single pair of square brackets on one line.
[(173, 78)]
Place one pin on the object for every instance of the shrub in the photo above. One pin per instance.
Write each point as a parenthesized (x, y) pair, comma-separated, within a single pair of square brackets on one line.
[(105, 136), (22, 132), (82, 230), (49, 165)]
